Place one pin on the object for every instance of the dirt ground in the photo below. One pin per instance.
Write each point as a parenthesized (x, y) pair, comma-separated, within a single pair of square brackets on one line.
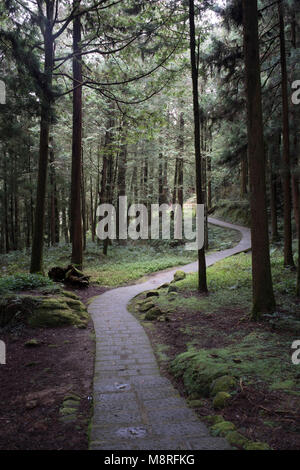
[(35, 381)]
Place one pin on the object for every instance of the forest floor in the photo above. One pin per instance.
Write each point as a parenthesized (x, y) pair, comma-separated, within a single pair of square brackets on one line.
[(38, 381), (123, 264), (199, 335)]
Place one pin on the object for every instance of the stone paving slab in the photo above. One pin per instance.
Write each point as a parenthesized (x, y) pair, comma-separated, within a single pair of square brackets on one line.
[(134, 406)]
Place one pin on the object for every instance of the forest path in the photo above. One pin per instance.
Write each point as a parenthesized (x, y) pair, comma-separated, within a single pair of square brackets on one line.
[(134, 406)]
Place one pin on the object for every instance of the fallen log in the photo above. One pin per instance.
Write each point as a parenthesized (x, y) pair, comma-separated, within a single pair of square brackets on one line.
[(69, 275)]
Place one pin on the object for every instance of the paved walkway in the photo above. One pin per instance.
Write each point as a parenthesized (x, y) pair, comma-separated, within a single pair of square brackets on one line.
[(134, 406)]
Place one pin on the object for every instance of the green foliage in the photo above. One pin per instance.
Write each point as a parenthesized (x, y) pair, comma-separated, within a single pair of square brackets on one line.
[(229, 283), (235, 211), (23, 281), (220, 238)]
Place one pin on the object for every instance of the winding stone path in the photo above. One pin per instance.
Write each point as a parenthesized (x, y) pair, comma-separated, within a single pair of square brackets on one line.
[(134, 406)]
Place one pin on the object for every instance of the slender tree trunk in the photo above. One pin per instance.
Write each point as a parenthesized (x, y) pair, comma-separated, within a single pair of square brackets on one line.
[(288, 253), (64, 217), (83, 203), (244, 174), (104, 195), (122, 167), (53, 198), (97, 192), (165, 181), (295, 159), (46, 112), (204, 178), (209, 191), (263, 297), (274, 156), (76, 209), (175, 184), (202, 283), (16, 206), (7, 238), (160, 179), (298, 275), (180, 160), (92, 209)]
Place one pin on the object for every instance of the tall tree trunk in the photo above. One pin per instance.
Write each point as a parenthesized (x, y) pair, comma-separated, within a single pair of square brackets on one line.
[(64, 217), (46, 113), (92, 209), (274, 157), (209, 174), (288, 253), (263, 296), (104, 195), (6, 222), (76, 210), (83, 203), (16, 206), (298, 276), (122, 167), (244, 173), (54, 237), (97, 193), (165, 181), (202, 282), (180, 160), (175, 184), (295, 159)]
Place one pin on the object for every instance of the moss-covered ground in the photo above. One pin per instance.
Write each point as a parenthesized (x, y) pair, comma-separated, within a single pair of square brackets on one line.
[(199, 339)]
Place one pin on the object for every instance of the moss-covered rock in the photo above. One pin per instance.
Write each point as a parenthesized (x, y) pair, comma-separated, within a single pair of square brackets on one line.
[(257, 446), (226, 383), (14, 307), (197, 375), (69, 409), (195, 403), (236, 439), (67, 293), (172, 289), (60, 311), (43, 311), (145, 306), (164, 286), (222, 428), (153, 313), (152, 293), (179, 276), (213, 419), (32, 343), (221, 400), (66, 410)]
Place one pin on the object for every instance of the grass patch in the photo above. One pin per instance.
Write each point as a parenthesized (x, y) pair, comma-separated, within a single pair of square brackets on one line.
[(235, 211), (24, 281), (122, 265)]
